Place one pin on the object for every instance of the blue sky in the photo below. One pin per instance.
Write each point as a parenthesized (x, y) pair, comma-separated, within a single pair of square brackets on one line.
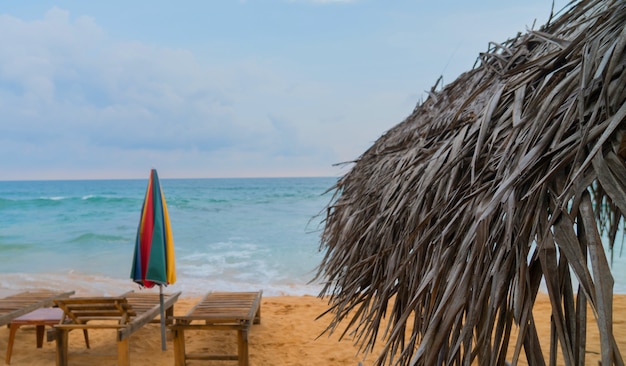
[(225, 88)]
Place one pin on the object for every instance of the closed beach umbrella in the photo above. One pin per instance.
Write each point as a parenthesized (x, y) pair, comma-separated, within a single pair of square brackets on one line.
[(153, 260)]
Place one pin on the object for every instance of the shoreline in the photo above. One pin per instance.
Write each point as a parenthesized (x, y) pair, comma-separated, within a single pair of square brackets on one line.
[(289, 334), (100, 285)]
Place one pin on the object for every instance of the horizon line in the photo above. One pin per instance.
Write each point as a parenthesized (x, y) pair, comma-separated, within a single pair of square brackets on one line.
[(161, 178)]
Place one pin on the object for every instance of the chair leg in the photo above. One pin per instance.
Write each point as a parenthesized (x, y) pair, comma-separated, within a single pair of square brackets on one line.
[(61, 341), (86, 335), (179, 347), (242, 345), (257, 316), (123, 352), (169, 313)]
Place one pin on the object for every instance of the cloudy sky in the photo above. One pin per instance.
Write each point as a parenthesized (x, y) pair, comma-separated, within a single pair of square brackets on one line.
[(225, 88)]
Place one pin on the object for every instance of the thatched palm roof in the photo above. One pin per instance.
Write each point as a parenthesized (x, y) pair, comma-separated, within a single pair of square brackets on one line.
[(446, 226)]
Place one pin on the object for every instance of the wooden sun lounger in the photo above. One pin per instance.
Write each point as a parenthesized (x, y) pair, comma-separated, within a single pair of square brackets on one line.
[(126, 314), (218, 311), (17, 305)]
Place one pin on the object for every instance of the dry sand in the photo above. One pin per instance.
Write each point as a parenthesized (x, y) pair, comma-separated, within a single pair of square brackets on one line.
[(288, 335)]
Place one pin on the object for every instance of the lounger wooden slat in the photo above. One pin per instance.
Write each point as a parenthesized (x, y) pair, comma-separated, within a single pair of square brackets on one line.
[(218, 311), (22, 303), (125, 314)]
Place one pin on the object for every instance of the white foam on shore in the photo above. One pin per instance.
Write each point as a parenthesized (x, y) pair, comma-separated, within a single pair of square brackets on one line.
[(90, 285)]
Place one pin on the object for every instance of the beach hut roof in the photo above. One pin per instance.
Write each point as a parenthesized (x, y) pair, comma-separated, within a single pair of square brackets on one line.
[(442, 232)]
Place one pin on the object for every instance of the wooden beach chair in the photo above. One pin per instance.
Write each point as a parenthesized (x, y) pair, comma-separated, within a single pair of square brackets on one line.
[(218, 311), (126, 314), (22, 303)]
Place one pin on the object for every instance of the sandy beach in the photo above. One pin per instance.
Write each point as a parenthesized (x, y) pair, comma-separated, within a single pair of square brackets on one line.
[(289, 334)]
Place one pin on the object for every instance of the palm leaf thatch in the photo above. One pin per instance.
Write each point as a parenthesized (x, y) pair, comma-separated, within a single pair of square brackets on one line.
[(508, 176)]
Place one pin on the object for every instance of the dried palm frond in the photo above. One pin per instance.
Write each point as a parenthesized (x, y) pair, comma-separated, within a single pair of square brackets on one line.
[(444, 229)]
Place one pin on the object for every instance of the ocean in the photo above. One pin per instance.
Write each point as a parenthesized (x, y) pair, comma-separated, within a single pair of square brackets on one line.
[(229, 234)]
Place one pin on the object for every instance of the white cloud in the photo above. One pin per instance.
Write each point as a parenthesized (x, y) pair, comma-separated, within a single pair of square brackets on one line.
[(262, 100), (74, 98)]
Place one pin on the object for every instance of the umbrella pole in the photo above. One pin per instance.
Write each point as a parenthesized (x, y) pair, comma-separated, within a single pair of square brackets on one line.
[(163, 343)]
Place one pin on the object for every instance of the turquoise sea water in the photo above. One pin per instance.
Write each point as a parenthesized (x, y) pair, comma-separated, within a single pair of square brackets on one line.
[(229, 234)]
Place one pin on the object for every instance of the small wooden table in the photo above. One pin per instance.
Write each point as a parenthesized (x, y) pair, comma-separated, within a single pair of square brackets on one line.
[(39, 318)]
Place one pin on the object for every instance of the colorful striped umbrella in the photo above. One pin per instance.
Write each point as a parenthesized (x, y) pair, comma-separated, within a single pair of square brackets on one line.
[(153, 260)]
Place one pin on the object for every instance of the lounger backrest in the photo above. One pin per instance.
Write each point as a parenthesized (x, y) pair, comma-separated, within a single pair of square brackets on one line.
[(82, 310)]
